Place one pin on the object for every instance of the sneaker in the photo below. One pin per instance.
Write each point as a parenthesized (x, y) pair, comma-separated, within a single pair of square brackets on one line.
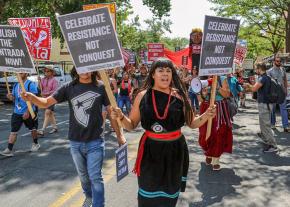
[(273, 127), (88, 202), (54, 130), (7, 152), (287, 129), (271, 148), (35, 147)]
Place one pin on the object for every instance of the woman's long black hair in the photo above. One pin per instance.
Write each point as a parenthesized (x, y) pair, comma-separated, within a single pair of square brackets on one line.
[(75, 76), (176, 83)]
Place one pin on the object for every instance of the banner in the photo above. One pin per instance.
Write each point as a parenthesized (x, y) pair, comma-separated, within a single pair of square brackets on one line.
[(91, 40), (218, 45), (110, 6), (122, 167), (179, 58), (37, 34), (155, 51), (240, 52), (14, 55)]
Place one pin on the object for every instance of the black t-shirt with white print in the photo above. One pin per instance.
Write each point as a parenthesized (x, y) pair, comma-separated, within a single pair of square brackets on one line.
[(85, 104)]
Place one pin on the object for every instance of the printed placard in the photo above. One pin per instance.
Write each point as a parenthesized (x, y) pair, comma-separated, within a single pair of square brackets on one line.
[(218, 45), (155, 51), (122, 168), (37, 35), (14, 55), (91, 40)]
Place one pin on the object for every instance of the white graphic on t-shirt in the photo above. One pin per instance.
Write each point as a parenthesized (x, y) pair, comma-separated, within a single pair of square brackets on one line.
[(81, 104)]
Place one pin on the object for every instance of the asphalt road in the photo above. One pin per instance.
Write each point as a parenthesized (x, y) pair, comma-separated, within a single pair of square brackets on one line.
[(248, 177)]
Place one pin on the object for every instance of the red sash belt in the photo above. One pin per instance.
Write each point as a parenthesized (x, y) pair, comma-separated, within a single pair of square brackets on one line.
[(162, 136)]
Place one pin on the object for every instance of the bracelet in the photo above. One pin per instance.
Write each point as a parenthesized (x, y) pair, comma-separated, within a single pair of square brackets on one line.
[(122, 117)]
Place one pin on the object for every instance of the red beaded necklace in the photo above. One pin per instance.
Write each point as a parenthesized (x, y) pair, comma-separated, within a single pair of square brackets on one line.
[(155, 107)]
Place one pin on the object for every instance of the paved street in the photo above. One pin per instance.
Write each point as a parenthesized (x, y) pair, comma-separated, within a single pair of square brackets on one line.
[(48, 178)]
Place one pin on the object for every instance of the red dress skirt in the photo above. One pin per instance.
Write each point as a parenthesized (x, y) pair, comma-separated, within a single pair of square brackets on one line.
[(221, 138)]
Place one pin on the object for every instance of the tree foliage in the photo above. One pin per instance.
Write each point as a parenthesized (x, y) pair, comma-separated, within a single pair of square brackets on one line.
[(267, 17)]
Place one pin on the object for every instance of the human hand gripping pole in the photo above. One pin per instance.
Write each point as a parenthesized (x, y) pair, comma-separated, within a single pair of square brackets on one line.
[(111, 96)]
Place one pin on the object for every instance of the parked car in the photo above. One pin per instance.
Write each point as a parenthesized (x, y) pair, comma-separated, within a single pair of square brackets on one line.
[(60, 75)]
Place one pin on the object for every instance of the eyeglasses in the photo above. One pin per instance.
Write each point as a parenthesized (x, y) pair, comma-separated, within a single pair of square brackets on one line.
[(278, 61)]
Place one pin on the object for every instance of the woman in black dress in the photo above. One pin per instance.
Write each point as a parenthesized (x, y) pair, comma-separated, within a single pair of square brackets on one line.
[(163, 108)]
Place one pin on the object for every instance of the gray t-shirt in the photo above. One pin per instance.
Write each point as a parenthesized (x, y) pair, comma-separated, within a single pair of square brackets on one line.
[(85, 104), (278, 74)]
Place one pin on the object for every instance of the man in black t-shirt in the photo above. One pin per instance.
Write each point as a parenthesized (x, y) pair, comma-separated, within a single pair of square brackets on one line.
[(262, 86), (86, 97)]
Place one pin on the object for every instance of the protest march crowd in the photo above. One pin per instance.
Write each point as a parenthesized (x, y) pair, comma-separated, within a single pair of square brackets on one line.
[(163, 99)]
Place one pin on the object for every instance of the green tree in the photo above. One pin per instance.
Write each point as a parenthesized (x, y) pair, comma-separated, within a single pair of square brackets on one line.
[(156, 28), (48, 8), (264, 15), (172, 43)]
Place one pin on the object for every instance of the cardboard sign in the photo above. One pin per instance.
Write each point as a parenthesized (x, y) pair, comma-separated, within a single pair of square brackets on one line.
[(91, 40), (240, 52), (218, 46), (122, 167), (14, 55), (110, 6), (155, 51), (132, 59), (37, 34)]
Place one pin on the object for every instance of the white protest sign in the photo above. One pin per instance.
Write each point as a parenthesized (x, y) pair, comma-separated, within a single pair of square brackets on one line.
[(14, 54), (91, 40), (218, 45)]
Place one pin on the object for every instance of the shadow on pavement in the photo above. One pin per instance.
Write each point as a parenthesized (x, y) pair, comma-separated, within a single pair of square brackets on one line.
[(215, 185)]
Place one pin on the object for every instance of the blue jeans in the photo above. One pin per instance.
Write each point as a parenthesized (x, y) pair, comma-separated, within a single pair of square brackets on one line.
[(124, 101), (194, 100), (88, 159), (283, 112)]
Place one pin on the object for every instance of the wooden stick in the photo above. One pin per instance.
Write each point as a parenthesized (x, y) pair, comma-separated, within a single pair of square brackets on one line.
[(6, 81), (211, 103), (27, 102), (110, 94)]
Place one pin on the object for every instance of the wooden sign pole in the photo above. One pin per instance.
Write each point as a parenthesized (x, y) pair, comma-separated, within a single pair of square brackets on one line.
[(27, 102), (6, 81), (109, 92), (211, 103)]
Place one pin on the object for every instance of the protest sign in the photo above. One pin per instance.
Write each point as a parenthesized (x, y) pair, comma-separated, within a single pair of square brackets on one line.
[(110, 6), (218, 46), (240, 52), (155, 51), (122, 162), (14, 55), (91, 40), (132, 58), (37, 34)]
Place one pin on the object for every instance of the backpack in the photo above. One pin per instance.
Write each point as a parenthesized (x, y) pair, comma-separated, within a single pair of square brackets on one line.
[(276, 93)]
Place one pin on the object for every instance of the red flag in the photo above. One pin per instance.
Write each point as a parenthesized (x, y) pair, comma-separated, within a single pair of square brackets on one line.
[(179, 58)]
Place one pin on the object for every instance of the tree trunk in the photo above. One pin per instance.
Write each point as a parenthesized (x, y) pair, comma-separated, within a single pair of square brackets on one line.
[(288, 30)]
